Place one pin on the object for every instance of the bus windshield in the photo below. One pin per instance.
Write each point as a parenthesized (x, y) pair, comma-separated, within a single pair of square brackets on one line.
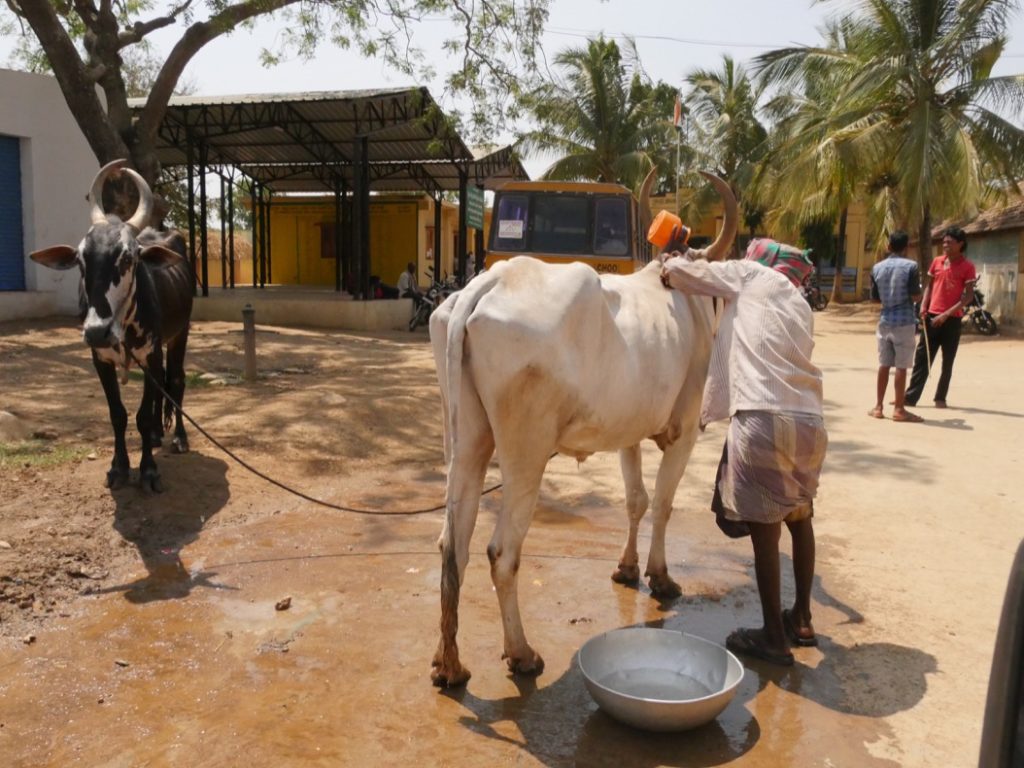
[(596, 223)]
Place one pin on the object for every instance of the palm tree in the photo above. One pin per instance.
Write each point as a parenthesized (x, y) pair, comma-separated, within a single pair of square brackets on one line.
[(916, 107), (600, 120), (723, 108), (809, 175)]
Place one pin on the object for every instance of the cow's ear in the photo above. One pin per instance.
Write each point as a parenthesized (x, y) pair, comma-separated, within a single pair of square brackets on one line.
[(56, 257), (159, 256)]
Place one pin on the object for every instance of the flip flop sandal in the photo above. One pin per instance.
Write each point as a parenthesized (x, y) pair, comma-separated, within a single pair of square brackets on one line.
[(910, 418), (742, 641), (803, 641)]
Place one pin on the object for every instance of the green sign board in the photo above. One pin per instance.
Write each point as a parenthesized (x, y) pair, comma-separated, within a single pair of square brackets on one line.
[(474, 207)]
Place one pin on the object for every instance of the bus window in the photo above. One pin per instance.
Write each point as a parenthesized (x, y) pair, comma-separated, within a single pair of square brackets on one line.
[(560, 224), (511, 218), (611, 234)]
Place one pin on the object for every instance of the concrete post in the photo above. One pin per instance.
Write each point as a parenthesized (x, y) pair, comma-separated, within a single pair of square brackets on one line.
[(249, 335)]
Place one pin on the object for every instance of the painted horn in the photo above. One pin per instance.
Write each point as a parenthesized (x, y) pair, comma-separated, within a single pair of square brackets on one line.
[(723, 242), (140, 219), (96, 193), (645, 201)]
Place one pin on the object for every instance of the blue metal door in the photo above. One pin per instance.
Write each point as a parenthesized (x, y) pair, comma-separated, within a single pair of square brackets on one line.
[(12, 250)]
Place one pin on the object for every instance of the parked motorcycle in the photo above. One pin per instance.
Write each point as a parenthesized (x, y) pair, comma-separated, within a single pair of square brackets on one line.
[(979, 317), (812, 293), (438, 292)]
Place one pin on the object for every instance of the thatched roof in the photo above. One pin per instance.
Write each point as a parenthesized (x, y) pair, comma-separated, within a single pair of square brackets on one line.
[(1005, 217)]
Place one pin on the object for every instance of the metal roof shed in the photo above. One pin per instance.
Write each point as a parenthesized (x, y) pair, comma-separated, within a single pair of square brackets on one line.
[(342, 142)]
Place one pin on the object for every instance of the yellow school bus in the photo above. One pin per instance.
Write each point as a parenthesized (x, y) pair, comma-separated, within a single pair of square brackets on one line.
[(562, 221)]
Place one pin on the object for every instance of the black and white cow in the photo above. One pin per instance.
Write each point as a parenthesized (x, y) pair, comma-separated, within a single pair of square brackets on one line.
[(135, 296)]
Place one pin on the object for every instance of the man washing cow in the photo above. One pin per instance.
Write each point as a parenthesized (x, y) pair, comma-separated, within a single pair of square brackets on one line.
[(536, 358), (761, 378), (136, 296)]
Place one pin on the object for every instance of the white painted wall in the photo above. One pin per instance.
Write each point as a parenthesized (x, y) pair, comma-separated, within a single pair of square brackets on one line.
[(57, 168)]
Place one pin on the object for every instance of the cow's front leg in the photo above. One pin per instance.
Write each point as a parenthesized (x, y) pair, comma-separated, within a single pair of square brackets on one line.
[(628, 571), (149, 476), (673, 464), (120, 467), (155, 368)]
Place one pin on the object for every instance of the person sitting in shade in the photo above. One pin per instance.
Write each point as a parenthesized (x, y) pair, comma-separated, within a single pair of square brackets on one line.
[(407, 285)]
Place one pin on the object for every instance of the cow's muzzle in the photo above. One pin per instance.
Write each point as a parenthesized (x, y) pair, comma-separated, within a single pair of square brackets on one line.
[(98, 336)]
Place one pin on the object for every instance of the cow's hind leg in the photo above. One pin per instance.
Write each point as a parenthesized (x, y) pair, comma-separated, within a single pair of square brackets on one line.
[(466, 471), (120, 467), (628, 571), (522, 467), (176, 389)]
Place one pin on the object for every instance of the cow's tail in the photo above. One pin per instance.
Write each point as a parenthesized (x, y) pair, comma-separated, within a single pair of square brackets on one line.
[(469, 297)]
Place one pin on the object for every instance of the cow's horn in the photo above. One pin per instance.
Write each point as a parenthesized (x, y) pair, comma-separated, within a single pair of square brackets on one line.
[(723, 242), (140, 219), (96, 193), (645, 201)]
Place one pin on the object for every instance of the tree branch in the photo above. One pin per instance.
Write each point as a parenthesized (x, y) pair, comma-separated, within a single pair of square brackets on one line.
[(75, 81), (142, 28), (191, 42)]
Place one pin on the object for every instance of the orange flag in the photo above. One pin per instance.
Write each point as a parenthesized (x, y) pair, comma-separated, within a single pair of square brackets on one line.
[(677, 115)]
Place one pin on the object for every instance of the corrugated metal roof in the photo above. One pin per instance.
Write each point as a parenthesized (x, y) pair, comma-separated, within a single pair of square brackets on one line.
[(305, 142)]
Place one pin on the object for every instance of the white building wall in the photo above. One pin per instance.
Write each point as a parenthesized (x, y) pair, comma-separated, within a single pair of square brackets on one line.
[(57, 168)]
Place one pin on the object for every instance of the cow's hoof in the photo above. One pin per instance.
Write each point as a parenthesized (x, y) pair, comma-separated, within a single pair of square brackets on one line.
[(156, 439), (149, 481), (450, 677), (529, 665), (116, 478), (626, 574), (179, 445), (663, 587)]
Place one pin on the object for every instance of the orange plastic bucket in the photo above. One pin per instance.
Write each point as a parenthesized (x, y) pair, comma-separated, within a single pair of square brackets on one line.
[(660, 231)]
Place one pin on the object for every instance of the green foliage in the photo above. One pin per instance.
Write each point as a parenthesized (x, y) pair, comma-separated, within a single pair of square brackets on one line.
[(39, 454), (600, 118), (897, 109), (492, 48)]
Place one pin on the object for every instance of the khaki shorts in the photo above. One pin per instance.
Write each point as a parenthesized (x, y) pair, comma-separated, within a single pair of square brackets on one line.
[(895, 345)]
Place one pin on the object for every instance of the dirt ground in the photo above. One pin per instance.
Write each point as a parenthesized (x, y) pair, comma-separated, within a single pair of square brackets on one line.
[(143, 630)]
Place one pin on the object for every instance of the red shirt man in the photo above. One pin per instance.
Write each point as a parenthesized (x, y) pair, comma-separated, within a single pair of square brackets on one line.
[(950, 288)]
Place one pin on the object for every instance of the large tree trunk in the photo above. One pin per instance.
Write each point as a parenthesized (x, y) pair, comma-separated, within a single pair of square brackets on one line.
[(837, 282)]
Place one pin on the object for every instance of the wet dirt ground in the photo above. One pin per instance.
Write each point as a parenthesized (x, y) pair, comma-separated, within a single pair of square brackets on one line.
[(143, 631)]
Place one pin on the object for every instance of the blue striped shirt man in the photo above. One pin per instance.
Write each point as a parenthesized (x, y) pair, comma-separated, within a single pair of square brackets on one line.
[(894, 280)]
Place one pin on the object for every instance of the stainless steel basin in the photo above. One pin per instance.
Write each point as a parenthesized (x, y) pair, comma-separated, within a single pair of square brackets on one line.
[(659, 679)]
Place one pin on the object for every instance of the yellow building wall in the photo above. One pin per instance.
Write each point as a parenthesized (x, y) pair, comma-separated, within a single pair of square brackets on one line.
[(297, 229)]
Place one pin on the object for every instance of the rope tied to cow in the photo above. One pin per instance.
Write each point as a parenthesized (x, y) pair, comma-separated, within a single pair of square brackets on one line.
[(278, 483)]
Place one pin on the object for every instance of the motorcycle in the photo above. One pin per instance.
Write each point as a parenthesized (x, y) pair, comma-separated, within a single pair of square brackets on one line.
[(421, 314), (429, 301), (980, 318), (811, 292)]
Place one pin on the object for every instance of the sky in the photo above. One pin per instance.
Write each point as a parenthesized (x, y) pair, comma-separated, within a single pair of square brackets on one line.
[(673, 37)]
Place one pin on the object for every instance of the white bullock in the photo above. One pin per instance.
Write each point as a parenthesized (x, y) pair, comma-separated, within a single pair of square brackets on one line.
[(536, 358)]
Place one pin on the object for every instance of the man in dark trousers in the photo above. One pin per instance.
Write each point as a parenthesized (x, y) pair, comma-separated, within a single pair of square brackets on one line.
[(896, 282), (950, 288)]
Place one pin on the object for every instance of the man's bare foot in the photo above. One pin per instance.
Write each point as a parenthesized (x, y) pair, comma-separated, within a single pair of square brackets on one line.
[(906, 416), (876, 412)]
